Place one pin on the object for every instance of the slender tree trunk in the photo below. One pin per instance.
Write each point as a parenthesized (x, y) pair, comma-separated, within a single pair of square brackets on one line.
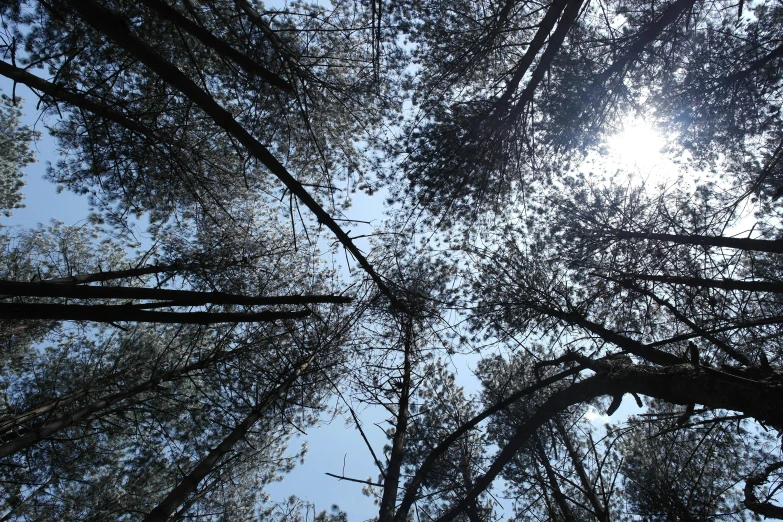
[(756, 65), (550, 508), (415, 483), (757, 245), (392, 480), (567, 21), (190, 483), (669, 16), (632, 346), (279, 46), (59, 92), (13, 421), (110, 275), (680, 384), (739, 326), (544, 28), (554, 485), (115, 28), (737, 356), (474, 513), (601, 513)]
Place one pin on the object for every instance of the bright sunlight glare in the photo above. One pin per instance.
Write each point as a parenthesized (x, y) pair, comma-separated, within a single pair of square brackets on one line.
[(638, 149), (638, 145)]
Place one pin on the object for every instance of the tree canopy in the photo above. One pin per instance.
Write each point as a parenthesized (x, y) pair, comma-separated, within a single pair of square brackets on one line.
[(162, 378)]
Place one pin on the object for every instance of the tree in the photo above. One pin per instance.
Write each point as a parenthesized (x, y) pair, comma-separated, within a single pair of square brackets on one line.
[(178, 370)]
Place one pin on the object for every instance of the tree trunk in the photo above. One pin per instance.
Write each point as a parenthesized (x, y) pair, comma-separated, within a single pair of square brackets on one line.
[(392, 479), (544, 28), (415, 483), (726, 284), (626, 343), (670, 15), (600, 511), (737, 356), (680, 384), (554, 485), (567, 21), (210, 40), (115, 28)]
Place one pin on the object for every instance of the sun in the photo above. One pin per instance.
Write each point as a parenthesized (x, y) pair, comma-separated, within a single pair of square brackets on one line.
[(638, 146), (638, 151)]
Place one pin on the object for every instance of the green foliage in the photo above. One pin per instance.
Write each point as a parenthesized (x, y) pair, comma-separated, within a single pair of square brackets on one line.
[(15, 153)]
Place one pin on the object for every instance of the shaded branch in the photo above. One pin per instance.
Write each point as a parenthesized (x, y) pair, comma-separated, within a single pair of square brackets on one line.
[(121, 313), (115, 28), (183, 297), (210, 40), (738, 243), (751, 501)]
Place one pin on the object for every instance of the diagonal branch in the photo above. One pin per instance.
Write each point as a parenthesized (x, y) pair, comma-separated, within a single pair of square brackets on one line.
[(734, 354), (115, 27), (412, 490), (190, 483), (751, 501), (680, 384), (210, 40)]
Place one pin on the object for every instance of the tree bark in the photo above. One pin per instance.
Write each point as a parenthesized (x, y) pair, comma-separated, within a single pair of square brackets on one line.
[(755, 66), (412, 489), (626, 343), (544, 28), (11, 422), (557, 493), (601, 513), (680, 384), (765, 508), (210, 40), (668, 17), (76, 99), (567, 21), (127, 273), (739, 326), (731, 352)]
